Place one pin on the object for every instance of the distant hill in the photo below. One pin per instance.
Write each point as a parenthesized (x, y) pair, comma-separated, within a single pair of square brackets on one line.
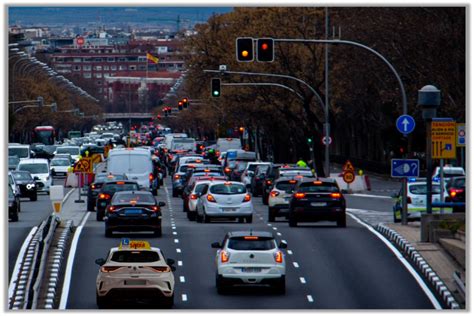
[(163, 15)]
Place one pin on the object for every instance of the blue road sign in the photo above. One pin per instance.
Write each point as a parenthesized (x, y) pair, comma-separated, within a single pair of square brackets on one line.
[(405, 168), (125, 241), (405, 124)]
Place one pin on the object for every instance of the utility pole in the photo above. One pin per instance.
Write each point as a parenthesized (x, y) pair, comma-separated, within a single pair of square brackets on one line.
[(326, 97)]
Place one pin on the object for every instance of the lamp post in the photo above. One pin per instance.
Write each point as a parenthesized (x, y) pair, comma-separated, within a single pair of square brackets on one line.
[(429, 98)]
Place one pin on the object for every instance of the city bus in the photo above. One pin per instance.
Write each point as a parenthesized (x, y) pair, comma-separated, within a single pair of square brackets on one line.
[(44, 135)]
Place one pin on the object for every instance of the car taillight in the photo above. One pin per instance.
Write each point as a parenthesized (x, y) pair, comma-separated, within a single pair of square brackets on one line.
[(454, 192), (224, 256), (269, 182), (108, 269), (93, 186), (278, 257), (408, 200), (160, 269), (193, 197), (112, 208), (299, 195), (150, 176), (154, 208), (274, 193), (211, 198), (227, 170), (336, 195), (247, 198), (104, 196), (177, 176)]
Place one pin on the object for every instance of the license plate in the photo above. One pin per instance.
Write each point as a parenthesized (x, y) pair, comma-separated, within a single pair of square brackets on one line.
[(229, 209), (135, 282), (133, 212), (318, 204), (251, 270), (103, 203)]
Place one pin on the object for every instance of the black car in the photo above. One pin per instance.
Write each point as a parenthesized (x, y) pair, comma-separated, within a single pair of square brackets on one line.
[(270, 175), (13, 205), (107, 192), (256, 184), (456, 187), (317, 200), (26, 183), (94, 188), (133, 211)]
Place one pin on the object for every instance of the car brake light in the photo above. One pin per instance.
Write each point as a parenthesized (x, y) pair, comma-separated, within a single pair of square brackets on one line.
[(177, 176), (247, 198), (299, 195), (454, 192), (274, 193), (269, 182), (408, 200), (160, 269), (104, 196), (154, 208), (227, 170), (193, 197), (150, 176), (292, 181), (211, 198), (251, 237), (108, 269), (336, 195), (92, 186), (112, 208), (224, 256), (317, 182), (279, 257)]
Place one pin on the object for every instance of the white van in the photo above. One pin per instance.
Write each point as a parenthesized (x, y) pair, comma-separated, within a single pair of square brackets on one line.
[(136, 164), (19, 150), (169, 138), (39, 169), (183, 144), (226, 144)]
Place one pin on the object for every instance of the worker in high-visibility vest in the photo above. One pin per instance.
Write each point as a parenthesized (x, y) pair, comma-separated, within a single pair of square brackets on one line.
[(301, 163)]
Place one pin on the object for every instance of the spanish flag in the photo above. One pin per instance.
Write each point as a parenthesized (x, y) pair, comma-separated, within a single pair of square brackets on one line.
[(152, 58)]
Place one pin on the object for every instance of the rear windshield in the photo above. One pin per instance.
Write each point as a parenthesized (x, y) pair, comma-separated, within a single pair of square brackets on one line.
[(241, 165), (34, 167), (128, 198), (421, 189), (60, 162), (200, 187), (114, 187), (240, 243), (135, 256), (304, 173), (285, 186), (460, 183), (68, 150), (13, 160), (324, 187), (262, 169), (208, 174), (228, 189), (21, 152)]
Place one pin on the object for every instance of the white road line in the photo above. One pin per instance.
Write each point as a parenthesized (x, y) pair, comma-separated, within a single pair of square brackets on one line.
[(19, 260), (274, 228), (175, 233), (370, 195), (70, 263), (182, 279), (302, 280), (174, 227), (269, 225), (284, 241), (289, 252), (184, 297), (176, 241), (279, 234), (402, 259), (296, 265), (178, 250), (180, 263), (310, 298)]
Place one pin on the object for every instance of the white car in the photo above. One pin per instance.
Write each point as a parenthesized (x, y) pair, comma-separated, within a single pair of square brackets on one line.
[(279, 198), (135, 271), (246, 177), (59, 166), (448, 172), (194, 197), (224, 199), (74, 151), (39, 169), (252, 258)]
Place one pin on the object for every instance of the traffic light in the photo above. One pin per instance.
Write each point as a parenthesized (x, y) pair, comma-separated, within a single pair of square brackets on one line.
[(185, 103), (244, 49), (180, 105), (265, 49), (241, 130), (216, 87), (309, 140)]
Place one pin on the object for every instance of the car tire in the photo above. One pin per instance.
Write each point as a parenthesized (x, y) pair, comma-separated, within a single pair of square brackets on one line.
[(108, 232), (191, 216), (220, 285), (158, 232), (14, 217), (248, 219), (175, 193), (100, 301), (168, 302), (271, 214), (90, 207), (99, 216), (161, 182), (342, 221), (198, 218), (292, 220), (34, 197), (264, 199), (280, 286), (154, 192), (205, 218)]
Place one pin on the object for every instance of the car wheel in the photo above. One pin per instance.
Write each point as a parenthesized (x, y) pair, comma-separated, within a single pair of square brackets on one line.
[(101, 301), (342, 221), (248, 219), (158, 232), (175, 193), (220, 284), (191, 216), (292, 220), (280, 285), (34, 197), (206, 218), (271, 214), (264, 199), (161, 182), (90, 207), (108, 232), (169, 302), (99, 216), (240, 219), (14, 217)]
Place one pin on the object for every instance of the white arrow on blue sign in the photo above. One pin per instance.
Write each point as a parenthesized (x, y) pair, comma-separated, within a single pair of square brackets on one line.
[(405, 124), (402, 168)]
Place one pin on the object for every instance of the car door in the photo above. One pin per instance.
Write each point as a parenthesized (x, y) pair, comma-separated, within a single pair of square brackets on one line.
[(202, 199)]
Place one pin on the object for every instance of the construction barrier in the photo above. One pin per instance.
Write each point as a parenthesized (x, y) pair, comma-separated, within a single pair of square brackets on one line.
[(359, 184)]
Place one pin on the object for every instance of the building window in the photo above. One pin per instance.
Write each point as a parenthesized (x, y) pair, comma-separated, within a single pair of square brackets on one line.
[(99, 83), (87, 67), (98, 75), (141, 67), (134, 58), (110, 59), (100, 90), (87, 75), (76, 68), (97, 67), (77, 59), (106, 74), (113, 67), (142, 58), (97, 59), (87, 59), (106, 67), (122, 67), (132, 67), (122, 59)]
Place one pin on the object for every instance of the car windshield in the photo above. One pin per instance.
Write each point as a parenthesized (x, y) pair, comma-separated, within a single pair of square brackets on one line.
[(135, 256), (251, 243), (20, 152), (13, 160), (60, 162), (420, 189), (285, 186), (311, 187), (228, 189), (34, 167), (22, 176), (130, 198), (68, 150), (115, 187)]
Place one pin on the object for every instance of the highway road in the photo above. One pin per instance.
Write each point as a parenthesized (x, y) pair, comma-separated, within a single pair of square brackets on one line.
[(327, 267)]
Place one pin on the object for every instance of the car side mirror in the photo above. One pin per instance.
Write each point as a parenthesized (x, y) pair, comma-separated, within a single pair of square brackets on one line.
[(282, 245), (216, 245), (100, 261), (161, 204), (35, 178)]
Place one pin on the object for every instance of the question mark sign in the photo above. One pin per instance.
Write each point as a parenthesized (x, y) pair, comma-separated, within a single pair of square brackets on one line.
[(414, 166)]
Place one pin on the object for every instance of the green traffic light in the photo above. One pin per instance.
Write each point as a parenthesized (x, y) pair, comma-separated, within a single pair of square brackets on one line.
[(216, 93), (310, 140)]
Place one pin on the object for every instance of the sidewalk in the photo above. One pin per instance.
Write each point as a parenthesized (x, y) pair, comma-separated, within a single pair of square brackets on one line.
[(440, 261)]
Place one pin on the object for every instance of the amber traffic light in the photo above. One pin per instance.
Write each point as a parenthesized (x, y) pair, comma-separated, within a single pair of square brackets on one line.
[(244, 49)]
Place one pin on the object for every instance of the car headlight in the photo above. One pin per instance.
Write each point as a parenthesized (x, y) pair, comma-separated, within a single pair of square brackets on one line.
[(30, 186)]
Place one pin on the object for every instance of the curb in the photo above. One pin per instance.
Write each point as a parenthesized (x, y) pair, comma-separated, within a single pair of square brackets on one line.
[(417, 260)]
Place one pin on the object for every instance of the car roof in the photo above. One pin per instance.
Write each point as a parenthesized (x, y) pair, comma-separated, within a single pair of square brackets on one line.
[(258, 233), (33, 160)]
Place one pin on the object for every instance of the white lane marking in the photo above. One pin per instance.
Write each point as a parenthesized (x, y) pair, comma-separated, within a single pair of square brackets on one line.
[(370, 195), (302, 280), (70, 263), (174, 227), (182, 279), (19, 260), (175, 233), (274, 228), (68, 195), (402, 259), (176, 241), (296, 265), (178, 250), (279, 234), (284, 241), (310, 298), (180, 263), (289, 252), (269, 225), (184, 297)]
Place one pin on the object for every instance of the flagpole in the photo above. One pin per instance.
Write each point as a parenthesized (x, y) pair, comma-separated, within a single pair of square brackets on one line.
[(146, 87)]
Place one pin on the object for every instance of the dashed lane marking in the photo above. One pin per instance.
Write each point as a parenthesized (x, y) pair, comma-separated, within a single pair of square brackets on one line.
[(289, 252), (279, 234), (176, 241), (182, 279), (310, 298), (178, 250), (274, 228), (302, 280), (175, 233), (269, 225), (296, 265), (184, 297), (180, 263)]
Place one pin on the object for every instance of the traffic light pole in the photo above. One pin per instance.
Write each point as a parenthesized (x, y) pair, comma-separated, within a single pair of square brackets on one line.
[(262, 84)]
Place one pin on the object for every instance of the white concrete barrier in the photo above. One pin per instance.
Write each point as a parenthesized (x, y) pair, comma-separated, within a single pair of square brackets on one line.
[(359, 184)]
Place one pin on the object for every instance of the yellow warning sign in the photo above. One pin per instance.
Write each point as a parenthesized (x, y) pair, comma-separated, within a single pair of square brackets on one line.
[(443, 139), (83, 165), (348, 167)]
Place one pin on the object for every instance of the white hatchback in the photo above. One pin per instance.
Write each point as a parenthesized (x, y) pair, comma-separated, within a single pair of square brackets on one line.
[(250, 258), (224, 199), (39, 169)]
